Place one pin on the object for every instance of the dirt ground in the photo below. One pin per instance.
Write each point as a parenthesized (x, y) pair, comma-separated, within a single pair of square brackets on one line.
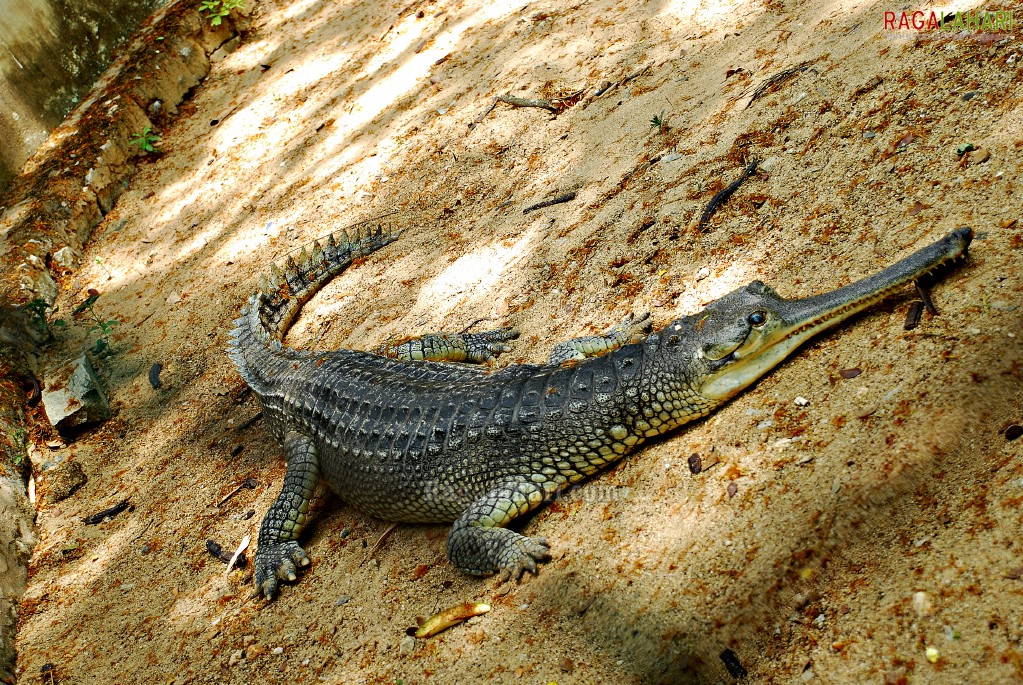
[(878, 521)]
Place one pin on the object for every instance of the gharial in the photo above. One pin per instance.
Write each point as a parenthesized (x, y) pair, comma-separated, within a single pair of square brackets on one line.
[(408, 439)]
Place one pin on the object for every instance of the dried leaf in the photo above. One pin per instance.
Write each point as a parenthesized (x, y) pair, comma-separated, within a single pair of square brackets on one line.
[(450, 617)]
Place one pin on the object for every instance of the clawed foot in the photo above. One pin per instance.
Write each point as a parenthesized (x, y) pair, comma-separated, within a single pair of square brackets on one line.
[(486, 345), (522, 555), (275, 562)]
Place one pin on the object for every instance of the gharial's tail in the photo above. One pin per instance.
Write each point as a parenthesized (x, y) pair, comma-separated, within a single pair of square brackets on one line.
[(258, 332)]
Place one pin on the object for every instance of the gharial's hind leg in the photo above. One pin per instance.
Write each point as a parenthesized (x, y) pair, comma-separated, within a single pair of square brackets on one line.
[(278, 554), (451, 347), (631, 327)]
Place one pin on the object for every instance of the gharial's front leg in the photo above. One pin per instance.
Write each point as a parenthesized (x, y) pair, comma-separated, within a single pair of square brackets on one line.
[(478, 542), (451, 347), (577, 349), (278, 554)]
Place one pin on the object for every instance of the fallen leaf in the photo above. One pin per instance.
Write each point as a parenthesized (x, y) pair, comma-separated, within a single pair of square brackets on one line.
[(450, 617)]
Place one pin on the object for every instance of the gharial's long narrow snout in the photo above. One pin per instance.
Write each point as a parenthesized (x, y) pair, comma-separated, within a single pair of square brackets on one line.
[(755, 329)]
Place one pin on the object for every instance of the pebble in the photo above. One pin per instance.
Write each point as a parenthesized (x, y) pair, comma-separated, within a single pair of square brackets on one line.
[(407, 646), (1013, 432), (236, 656), (278, 650), (933, 655), (802, 401), (343, 599), (695, 464), (702, 273), (979, 156), (921, 604), (869, 135)]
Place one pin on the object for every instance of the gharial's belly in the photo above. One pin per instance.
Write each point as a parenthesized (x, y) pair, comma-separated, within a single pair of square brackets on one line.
[(400, 492)]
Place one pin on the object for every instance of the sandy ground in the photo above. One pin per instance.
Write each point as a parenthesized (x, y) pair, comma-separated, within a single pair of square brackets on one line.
[(879, 520)]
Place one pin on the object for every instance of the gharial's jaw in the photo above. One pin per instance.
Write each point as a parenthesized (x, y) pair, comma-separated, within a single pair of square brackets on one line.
[(752, 329)]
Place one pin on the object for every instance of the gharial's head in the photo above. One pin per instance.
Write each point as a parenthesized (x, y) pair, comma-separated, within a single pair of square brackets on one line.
[(744, 334)]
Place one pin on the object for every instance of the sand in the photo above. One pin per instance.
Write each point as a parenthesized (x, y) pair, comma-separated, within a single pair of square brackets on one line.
[(876, 521)]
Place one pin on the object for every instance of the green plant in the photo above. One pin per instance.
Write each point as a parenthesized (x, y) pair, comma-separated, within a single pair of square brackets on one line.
[(216, 10), (146, 140), (104, 327), (659, 122)]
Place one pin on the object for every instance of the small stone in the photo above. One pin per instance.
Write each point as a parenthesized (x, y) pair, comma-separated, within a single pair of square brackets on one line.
[(850, 373), (1013, 432), (732, 489), (695, 464), (64, 480), (173, 298), (66, 258), (236, 656), (933, 655), (278, 650), (407, 646), (802, 401), (869, 135), (979, 156), (922, 604), (702, 273), (808, 675), (73, 395), (566, 665), (970, 95), (343, 599), (248, 640)]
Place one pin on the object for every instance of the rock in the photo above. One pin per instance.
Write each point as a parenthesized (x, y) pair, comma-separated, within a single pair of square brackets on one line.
[(63, 481), (407, 646), (922, 604), (702, 273), (66, 258), (73, 396), (225, 49), (979, 156), (236, 656)]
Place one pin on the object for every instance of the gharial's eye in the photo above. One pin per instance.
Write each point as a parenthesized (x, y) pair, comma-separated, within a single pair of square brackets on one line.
[(757, 319)]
